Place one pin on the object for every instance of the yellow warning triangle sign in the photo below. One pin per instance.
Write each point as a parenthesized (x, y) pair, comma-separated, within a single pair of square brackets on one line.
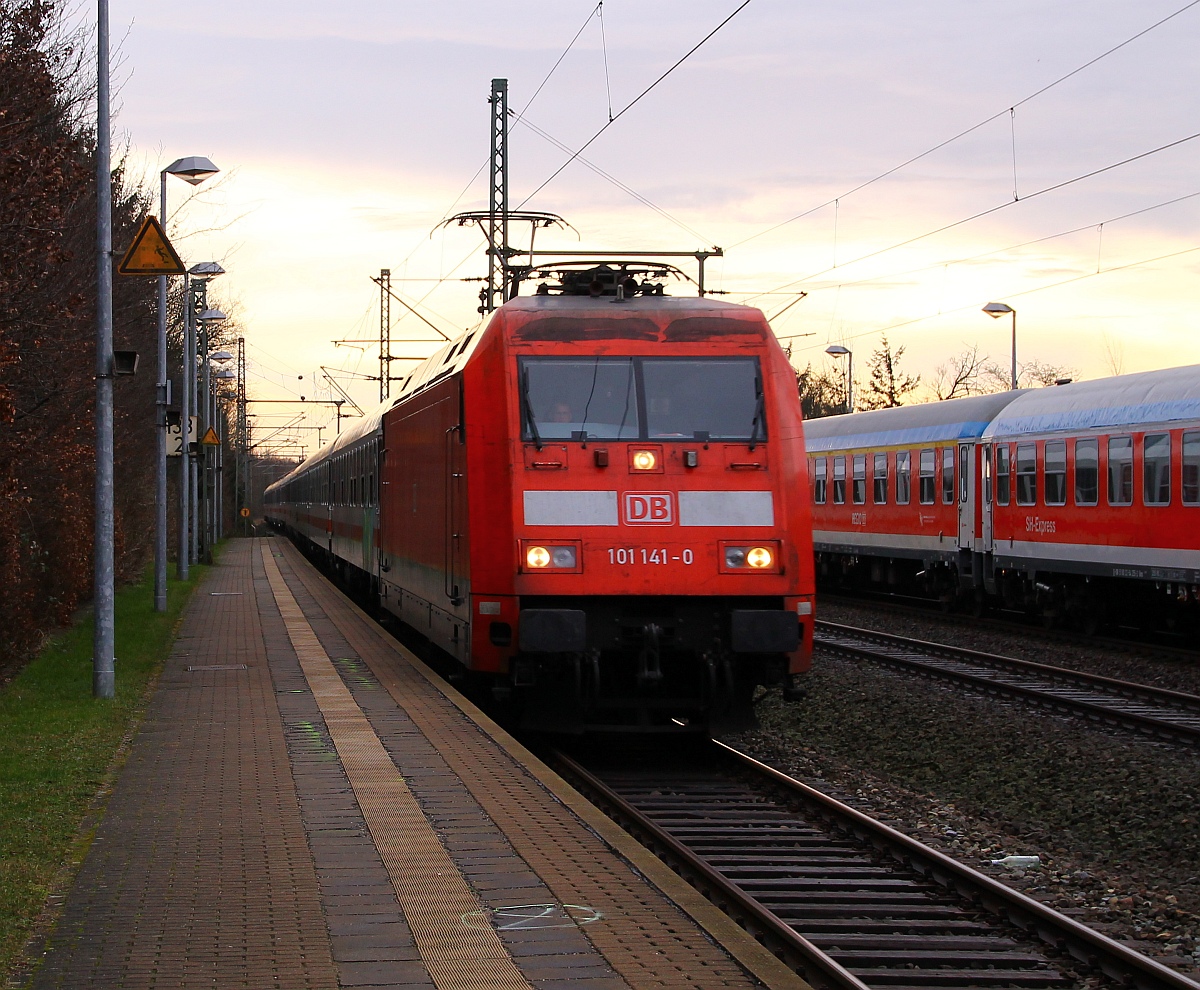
[(150, 253), (211, 438)]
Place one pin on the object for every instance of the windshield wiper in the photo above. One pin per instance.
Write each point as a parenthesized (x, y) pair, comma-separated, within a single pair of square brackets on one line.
[(760, 414), (528, 407)]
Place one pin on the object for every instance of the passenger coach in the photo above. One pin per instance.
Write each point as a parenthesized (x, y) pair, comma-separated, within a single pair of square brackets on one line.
[(598, 503), (1079, 501)]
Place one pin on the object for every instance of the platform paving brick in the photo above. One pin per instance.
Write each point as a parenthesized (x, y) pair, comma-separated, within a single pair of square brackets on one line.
[(540, 854), (234, 851), (200, 873)]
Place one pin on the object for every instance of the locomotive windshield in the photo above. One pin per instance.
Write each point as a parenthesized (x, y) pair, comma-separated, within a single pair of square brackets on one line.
[(641, 398)]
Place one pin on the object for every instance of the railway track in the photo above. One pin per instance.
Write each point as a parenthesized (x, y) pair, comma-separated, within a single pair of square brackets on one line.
[(1008, 622), (1161, 714), (847, 901)]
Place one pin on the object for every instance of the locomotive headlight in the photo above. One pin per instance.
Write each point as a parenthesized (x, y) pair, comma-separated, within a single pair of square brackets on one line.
[(547, 557), (644, 460), (759, 557), (562, 556)]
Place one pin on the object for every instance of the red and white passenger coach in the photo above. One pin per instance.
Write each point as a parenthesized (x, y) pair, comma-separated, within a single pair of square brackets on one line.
[(1079, 501), (599, 502)]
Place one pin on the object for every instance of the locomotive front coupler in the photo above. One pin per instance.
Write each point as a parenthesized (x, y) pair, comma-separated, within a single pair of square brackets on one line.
[(649, 666)]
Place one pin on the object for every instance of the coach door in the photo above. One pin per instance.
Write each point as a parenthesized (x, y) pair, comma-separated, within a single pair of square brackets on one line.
[(966, 496), (985, 452)]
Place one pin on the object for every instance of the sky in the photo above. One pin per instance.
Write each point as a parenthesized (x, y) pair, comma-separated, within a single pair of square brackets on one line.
[(902, 164)]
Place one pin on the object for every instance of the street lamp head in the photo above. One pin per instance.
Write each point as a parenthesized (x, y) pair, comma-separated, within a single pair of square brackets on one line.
[(194, 169), (206, 269), (224, 374), (220, 355), (212, 316), (837, 350), (996, 310)]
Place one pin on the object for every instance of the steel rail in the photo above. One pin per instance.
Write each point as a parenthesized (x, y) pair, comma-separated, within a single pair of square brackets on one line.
[(1007, 621), (962, 884), (798, 952), (1176, 715)]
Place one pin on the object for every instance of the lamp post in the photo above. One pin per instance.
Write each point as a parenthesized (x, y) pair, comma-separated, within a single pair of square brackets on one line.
[(837, 350), (996, 310), (194, 170), (209, 317), (103, 578), (223, 376)]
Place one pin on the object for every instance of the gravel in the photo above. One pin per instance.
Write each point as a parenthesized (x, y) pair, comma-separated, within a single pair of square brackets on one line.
[(1111, 817)]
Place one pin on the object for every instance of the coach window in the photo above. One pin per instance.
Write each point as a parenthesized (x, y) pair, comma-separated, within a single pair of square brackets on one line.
[(879, 492), (947, 475), (1120, 471), (928, 479), (839, 480), (903, 477), (1026, 474), (820, 466), (1191, 468), (1056, 472), (1156, 468), (1087, 472), (859, 492), (1003, 475)]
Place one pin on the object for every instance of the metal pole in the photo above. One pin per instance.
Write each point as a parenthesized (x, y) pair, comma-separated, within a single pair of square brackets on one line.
[(185, 421), (160, 432), (206, 543), (197, 302), (850, 382), (1014, 350), (104, 635)]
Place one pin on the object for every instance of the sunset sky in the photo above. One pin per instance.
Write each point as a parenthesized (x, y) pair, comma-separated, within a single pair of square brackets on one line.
[(347, 131)]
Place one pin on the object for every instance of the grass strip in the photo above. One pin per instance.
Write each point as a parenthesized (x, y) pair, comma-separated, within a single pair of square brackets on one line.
[(58, 745)]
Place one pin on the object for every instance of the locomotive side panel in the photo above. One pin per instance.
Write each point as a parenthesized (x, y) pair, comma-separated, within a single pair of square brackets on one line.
[(425, 573)]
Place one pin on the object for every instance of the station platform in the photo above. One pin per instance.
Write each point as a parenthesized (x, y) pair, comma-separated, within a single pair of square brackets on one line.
[(306, 805)]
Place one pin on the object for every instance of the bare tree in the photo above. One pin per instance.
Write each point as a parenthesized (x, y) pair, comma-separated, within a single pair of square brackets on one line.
[(959, 376), (1114, 354)]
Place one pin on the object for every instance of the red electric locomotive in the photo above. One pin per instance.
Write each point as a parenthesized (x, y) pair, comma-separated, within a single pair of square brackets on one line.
[(598, 502), (1077, 502)]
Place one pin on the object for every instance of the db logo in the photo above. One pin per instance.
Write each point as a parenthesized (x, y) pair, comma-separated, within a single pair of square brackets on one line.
[(649, 508)]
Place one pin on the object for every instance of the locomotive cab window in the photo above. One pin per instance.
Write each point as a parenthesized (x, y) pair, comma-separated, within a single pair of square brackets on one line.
[(1056, 472), (1156, 468), (839, 480), (880, 485), (903, 477), (1191, 468), (1120, 470), (1087, 472), (928, 481), (1026, 474), (819, 480), (641, 399), (859, 492)]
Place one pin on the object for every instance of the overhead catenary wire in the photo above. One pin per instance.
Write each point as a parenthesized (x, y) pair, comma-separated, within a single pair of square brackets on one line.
[(970, 130), (1010, 295), (995, 209), (637, 99)]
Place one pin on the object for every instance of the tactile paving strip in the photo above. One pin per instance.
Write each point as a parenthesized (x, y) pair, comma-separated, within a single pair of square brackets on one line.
[(645, 937), (432, 892)]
